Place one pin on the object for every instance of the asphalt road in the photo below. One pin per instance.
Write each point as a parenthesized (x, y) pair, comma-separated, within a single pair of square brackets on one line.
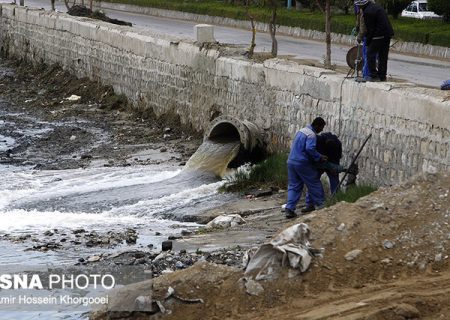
[(418, 70)]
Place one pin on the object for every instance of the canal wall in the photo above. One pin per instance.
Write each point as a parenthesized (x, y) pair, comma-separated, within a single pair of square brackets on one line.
[(197, 83)]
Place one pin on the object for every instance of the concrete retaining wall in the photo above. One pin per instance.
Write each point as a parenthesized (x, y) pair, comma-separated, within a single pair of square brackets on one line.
[(410, 125), (397, 46)]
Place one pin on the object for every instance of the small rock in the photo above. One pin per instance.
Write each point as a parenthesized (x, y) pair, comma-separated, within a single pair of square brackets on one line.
[(253, 288), (386, 261), (167, 129), (422, 266), (186, 232), (341, 227), (157, 233), (259, 193), (77, 231), (388, 244), (72, 138), (163, 149), (174, 237), (94, 259), (438, 257), (48, 233), (352, 255), (140, 261), (179, 265), (407, 311), (166, 245)]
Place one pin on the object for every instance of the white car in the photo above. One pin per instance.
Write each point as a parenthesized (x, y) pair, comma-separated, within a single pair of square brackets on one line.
[(419, 10)]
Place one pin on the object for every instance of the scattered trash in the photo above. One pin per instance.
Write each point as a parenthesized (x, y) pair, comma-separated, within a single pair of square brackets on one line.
[(225, 221), (73, 98), (291, 248)]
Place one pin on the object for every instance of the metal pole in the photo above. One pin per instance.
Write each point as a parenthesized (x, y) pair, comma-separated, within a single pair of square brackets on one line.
[(352, 163), (289, 4)]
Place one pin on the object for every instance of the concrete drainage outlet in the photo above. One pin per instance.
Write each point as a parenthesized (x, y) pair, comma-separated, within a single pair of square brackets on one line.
[(230, 128)]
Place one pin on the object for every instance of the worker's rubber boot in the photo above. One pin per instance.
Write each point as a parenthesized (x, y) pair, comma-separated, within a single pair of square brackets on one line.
[(290, 214), (308, 208)]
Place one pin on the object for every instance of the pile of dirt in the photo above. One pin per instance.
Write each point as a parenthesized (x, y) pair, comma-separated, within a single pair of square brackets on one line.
[(386, 257), (82, 11)]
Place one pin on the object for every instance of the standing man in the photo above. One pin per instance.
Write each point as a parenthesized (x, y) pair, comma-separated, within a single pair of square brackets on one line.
[(378, 37), (302, 170)]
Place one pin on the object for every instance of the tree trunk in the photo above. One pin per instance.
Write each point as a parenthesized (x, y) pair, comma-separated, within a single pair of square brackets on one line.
[(327, 62), (66, 2), (251, 49), (53, 5), (273, 28)]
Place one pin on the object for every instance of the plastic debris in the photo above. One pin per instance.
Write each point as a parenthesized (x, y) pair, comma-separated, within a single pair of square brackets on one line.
[(290, 248), (73, 98), (225, 221)]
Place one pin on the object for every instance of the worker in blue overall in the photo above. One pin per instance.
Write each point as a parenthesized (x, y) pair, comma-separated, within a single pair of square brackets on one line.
[(302, 170)]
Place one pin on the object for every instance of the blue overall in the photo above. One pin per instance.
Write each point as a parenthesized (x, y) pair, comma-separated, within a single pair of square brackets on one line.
[(301, 170)]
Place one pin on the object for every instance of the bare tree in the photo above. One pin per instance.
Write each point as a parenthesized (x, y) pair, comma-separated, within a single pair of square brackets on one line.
[(327, 62), (273, 27), (251, 49)]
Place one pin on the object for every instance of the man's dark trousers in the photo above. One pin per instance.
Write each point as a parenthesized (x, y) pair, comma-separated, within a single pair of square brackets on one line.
[(380, 47)]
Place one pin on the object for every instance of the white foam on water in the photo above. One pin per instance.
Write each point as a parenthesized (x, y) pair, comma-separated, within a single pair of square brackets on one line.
[(183, 198), (42, 185), (22, 220), (6, 143)]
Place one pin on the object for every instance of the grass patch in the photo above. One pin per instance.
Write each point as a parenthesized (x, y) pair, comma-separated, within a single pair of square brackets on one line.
[(434, 32), (352, 194), (271, 172)]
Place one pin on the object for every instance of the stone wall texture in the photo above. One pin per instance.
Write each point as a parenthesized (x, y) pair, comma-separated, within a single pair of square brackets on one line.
[(410, 125)]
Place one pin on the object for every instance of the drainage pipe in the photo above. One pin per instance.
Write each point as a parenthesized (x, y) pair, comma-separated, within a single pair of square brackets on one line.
[(227, 127)]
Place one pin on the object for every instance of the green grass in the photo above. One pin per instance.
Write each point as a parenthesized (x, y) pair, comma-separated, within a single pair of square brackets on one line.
[(272, 172), (352, 194), (427, 32)]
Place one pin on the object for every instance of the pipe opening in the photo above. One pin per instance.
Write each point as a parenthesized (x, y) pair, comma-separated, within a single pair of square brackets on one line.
[(229, 129), (224, 132)]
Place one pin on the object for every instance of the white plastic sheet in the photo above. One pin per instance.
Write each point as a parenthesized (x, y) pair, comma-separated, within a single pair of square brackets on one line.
[(289, 249)]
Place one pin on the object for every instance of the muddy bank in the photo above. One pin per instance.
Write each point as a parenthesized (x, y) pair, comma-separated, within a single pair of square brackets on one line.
[(89, 123)]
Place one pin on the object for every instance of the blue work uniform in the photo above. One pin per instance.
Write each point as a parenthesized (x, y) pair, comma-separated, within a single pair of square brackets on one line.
[(301, 169)]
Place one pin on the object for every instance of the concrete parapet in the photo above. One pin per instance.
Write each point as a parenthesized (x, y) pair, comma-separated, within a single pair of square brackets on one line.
[(204, 33)]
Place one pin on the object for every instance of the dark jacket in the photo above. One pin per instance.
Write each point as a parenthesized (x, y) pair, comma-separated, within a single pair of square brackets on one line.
[(329, 144), (377, 22)]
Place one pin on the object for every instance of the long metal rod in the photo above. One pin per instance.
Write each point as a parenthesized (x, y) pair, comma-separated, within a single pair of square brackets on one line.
[(352, 163)]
